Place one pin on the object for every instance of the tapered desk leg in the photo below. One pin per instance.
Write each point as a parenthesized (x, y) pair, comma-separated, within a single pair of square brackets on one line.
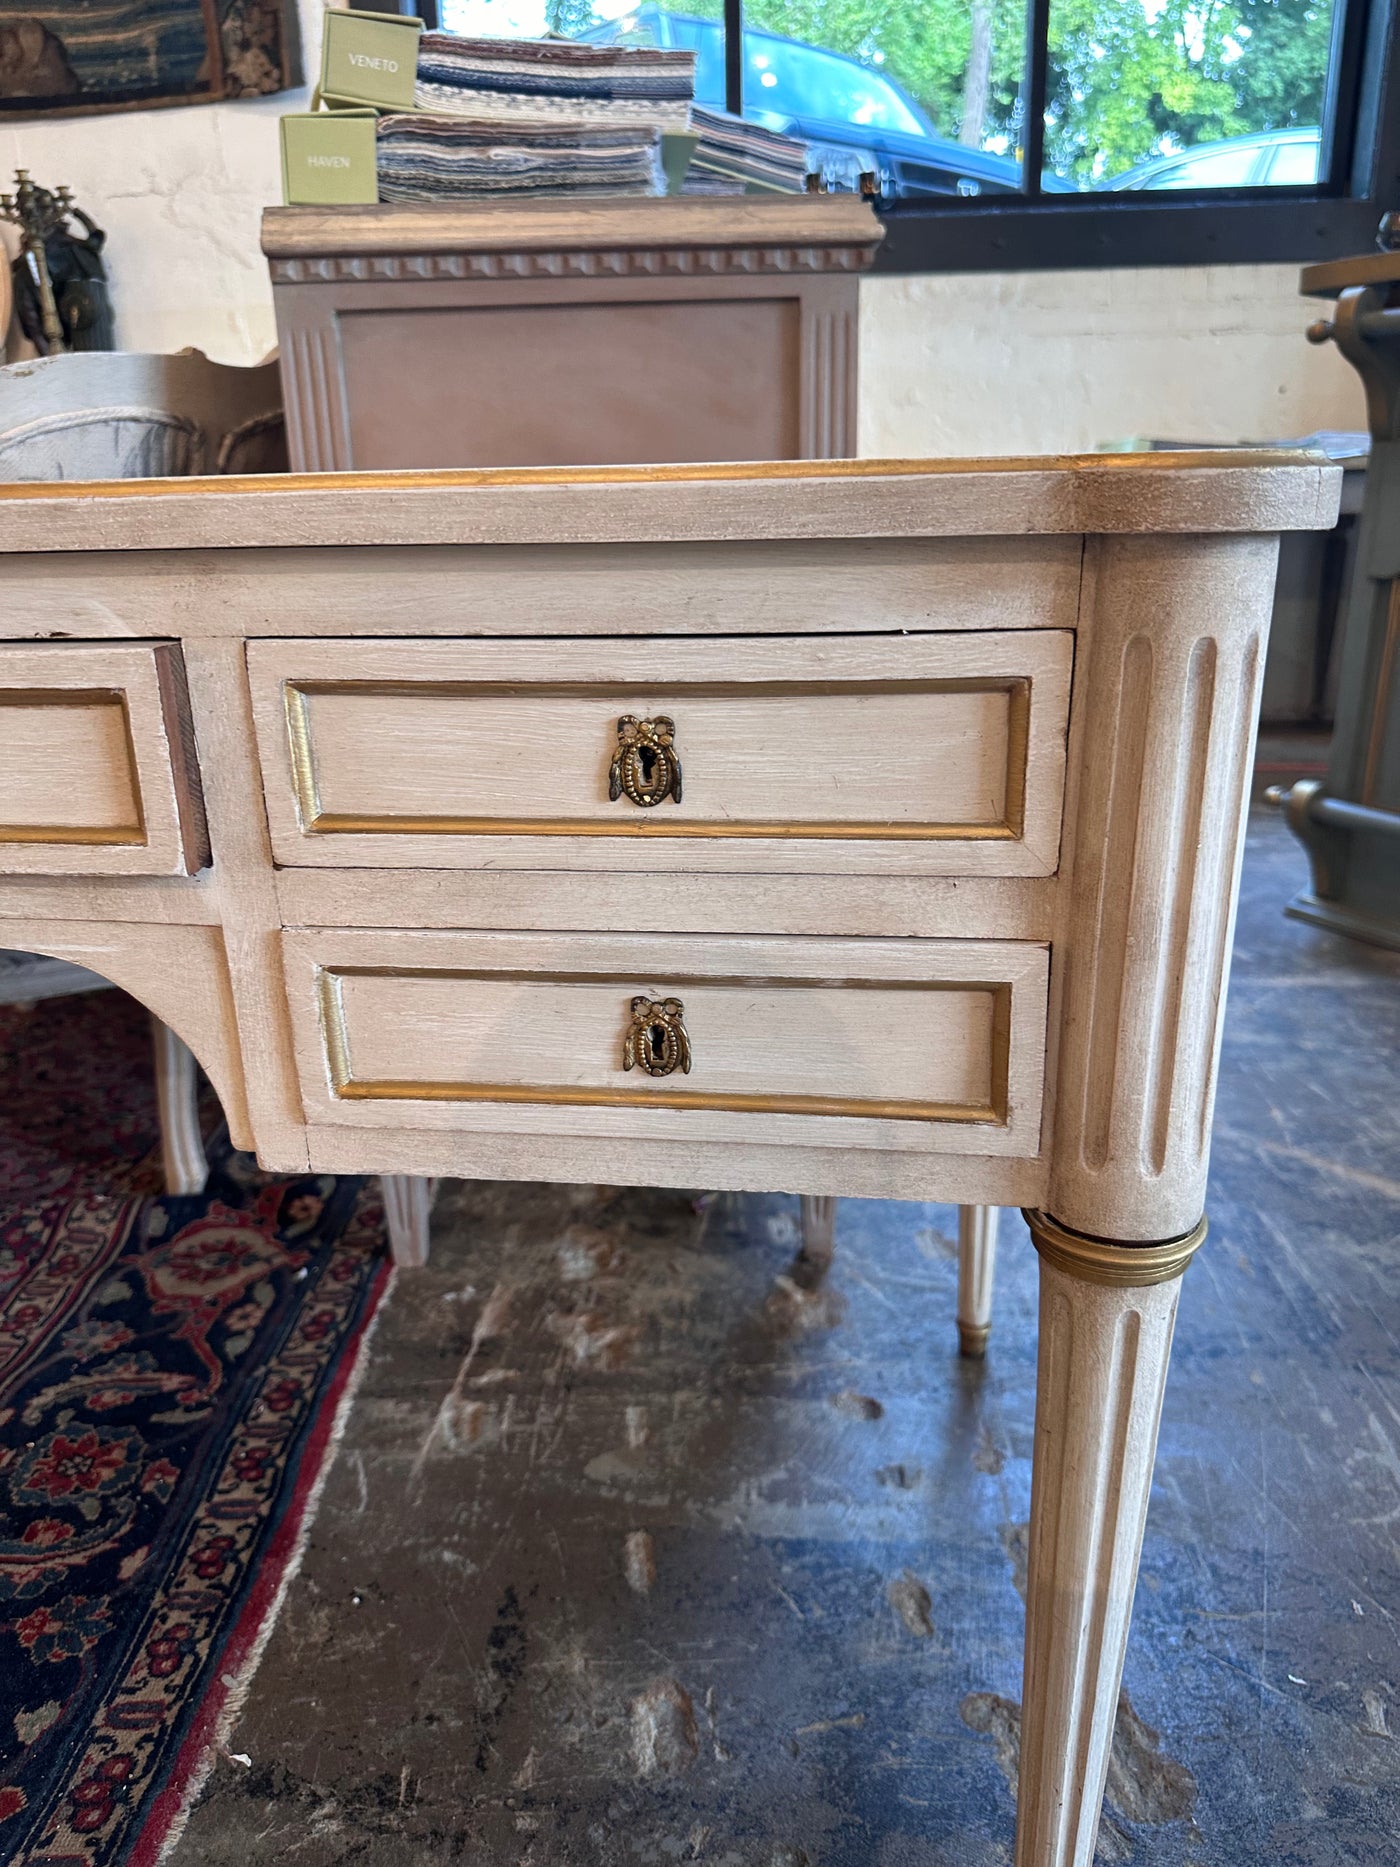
[(408, 1208), (177, 1101), (1106, 1315), (818, 1230), (977, 1256)]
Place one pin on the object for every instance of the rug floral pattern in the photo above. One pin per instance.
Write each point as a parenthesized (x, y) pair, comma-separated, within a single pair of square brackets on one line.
[(168, 1376)]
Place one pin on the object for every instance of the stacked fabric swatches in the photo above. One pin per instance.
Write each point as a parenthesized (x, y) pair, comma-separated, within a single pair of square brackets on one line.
[(523, 78), (733, 152), (424, 157)]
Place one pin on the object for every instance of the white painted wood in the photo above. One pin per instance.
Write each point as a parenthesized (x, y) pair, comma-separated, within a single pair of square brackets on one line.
[(1102, 1369), (761, 587), (818, 1230), (1198, 494), (477, 1153), (925, 754), (180, 974), (177, 1097), (408, 1209), (977, 1255), (251, 923), (95, 774), (908, 1045), (556, 901), (190, 903), (1170, 682)]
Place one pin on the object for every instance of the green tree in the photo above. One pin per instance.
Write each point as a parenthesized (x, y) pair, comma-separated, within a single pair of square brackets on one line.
[(1123, 86)]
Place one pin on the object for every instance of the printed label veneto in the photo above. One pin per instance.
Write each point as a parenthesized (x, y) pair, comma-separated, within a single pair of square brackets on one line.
[(370, 58)]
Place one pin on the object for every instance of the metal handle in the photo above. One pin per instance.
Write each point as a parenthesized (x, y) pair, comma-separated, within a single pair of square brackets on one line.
[(646, 766), (657, 1038)]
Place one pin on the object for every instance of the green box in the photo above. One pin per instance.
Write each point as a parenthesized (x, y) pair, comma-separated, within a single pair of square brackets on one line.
[(370, 58), (328, 158), (677, 147)]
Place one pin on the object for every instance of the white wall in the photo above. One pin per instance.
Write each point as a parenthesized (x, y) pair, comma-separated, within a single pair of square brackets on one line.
[(1015, 363), (180, 193), (1035, 362)]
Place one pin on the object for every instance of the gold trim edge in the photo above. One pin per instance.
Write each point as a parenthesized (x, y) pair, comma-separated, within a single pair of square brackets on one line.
[(356, 1089), (332, 823), (464, 478), (1100, 1261)]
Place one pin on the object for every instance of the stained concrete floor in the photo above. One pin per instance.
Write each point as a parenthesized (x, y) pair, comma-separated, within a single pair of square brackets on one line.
[(637, 1552)]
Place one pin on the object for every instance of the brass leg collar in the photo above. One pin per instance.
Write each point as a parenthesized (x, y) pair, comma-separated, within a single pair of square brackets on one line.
[(1097, 1261)]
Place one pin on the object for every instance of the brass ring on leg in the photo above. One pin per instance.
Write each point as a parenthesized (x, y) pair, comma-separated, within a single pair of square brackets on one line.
[(1102, 1261), (973, 1338)]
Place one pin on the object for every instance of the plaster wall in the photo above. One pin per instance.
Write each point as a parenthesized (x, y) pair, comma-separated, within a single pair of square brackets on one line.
[(1029, 362), (1037, 362)]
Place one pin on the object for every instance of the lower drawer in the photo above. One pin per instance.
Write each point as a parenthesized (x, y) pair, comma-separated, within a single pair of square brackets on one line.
[(922, 1045)]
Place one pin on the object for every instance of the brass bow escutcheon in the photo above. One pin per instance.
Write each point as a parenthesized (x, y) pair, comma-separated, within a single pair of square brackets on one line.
[(656, 1037), (645, 765)]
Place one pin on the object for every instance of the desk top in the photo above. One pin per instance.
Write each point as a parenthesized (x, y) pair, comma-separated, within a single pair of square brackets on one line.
[(1219, 491)]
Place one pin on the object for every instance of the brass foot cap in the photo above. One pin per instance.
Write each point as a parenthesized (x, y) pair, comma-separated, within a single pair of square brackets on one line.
[(972, 1339)]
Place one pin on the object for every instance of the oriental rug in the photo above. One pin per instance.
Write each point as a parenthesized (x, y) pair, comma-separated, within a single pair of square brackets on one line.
[(173, 1372)]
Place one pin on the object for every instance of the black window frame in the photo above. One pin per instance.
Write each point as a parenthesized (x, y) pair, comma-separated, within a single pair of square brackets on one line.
[(1032, 231)]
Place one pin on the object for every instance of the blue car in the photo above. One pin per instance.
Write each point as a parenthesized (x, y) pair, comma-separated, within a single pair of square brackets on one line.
[(852, 118)]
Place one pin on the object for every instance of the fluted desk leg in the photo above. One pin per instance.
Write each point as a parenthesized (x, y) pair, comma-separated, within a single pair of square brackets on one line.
[(408, 1208), (977, 1256), (818, 1230), (1106, 1316), (177, 1101)]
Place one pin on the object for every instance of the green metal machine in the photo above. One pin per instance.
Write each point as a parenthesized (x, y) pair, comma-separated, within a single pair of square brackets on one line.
[(1349, 823)]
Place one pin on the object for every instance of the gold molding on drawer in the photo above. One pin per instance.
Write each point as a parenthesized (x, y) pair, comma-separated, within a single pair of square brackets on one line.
[(124, 835), (345, 1086), (315, 821)]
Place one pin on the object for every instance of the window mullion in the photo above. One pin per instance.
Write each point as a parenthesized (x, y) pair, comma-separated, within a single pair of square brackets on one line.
[(1037, 78), (734, 56)]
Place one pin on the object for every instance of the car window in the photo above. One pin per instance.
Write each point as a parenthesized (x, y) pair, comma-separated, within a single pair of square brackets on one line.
[(1294, 164), (1222, 168), (796, 80)]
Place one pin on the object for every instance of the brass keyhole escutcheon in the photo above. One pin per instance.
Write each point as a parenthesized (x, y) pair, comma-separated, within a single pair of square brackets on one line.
[(646, 766), (657, 1040)]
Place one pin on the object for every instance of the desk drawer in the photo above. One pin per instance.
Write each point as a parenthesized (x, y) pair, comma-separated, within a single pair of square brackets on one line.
[(96, 774), (918, 754), (923, 1045)]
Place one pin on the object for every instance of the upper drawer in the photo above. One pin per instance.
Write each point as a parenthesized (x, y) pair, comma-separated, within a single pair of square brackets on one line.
[(95, 774), (914, 754)]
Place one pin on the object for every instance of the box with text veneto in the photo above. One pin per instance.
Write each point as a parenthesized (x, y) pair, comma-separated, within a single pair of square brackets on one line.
[(370, 58), (328, 158)]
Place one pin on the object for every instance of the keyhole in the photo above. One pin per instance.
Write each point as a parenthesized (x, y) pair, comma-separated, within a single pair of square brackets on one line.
[(647, 755), (656, 1037)]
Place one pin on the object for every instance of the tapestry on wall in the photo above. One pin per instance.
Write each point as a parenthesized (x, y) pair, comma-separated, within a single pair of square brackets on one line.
[(79, 55)]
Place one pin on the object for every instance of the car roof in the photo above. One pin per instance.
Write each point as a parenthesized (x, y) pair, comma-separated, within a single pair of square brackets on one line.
[(1253, 139)]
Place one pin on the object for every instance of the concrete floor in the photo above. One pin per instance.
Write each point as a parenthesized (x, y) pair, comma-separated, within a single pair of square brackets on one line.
[(635, 1552)]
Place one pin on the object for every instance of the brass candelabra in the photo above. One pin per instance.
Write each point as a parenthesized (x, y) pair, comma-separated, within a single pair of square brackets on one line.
[(38, 212)]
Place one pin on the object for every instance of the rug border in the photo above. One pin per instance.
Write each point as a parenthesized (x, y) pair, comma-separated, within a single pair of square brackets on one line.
[(277, 1566)]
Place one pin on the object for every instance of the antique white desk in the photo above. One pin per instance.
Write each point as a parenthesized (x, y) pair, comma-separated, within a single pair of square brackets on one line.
[(899, 801)]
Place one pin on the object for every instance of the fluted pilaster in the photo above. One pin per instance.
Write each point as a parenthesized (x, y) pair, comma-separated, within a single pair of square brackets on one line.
[(1164, 734)]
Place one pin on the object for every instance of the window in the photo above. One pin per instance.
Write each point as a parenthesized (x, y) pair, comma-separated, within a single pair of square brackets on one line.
[(1011, 133)]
